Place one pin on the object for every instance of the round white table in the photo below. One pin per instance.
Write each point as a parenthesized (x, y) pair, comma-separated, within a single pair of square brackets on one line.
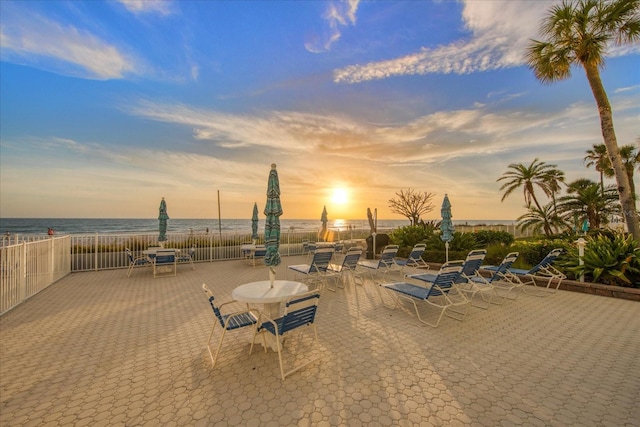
[(262, 293)]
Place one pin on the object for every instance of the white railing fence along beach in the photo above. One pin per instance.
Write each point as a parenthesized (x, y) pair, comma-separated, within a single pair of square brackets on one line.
[(29, 267)]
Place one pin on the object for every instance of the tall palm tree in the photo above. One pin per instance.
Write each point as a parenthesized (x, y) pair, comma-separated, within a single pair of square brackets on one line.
[(599, 159), (578, 32), (554, 178)]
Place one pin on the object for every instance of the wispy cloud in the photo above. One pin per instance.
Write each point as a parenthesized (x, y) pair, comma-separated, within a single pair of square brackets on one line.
[(31, 39), (162, 7), (481, 130), (499, 33), (337, 15)]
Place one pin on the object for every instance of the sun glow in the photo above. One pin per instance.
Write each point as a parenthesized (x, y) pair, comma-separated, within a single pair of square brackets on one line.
[(340, 196)]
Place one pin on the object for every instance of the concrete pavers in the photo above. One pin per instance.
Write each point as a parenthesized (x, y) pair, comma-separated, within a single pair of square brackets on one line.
[(102, 349)]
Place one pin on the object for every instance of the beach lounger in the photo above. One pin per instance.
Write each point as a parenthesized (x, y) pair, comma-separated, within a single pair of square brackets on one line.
[(440, 293), (543, 271), (315, 272), (381, 265), (498, 276)]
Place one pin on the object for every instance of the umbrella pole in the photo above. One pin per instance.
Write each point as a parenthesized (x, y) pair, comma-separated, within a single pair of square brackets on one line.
[(272, 275), (446, 251)]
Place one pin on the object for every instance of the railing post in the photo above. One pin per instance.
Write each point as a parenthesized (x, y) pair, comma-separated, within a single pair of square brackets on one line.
[(23, 272), (52, 245), (95, 256)]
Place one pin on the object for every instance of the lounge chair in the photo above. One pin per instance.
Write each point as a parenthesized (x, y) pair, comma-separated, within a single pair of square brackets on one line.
[(472, 283), (440, 292), (228, 321), (543, 271), (299, 313), (315, 272), (383, 264), (347, 269), (498, 276), (414, 260)]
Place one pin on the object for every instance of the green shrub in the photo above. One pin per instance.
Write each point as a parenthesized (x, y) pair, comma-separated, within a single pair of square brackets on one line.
[(409, 235), (490, 237), (610, 258)]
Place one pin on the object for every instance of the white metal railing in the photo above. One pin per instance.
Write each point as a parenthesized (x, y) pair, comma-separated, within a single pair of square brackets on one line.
[(108, 251), (29, 267)]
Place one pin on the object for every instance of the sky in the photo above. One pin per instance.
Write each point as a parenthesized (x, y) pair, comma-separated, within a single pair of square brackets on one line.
[(108, 106)]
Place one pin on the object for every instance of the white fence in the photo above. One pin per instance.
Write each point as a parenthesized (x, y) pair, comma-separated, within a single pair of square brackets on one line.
[(29, 267)]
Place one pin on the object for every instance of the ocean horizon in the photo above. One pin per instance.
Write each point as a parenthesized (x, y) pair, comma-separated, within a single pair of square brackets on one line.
[(40, 226)]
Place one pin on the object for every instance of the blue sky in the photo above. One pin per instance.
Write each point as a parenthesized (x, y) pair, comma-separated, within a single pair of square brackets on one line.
[(106, 107)]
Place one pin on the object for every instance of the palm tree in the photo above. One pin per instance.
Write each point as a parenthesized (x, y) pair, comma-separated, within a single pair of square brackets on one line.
[(598, 158), (554, 178), (630, 159), (584, 200), (544, 219), (527, 177), (578, 32)]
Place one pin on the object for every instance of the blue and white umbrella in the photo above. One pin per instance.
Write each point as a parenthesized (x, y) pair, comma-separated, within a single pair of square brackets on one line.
[(162, 219), (273, 211), (446, 226), (254, 224)]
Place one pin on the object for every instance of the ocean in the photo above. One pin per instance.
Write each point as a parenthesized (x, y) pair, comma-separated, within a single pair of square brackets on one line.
[(40, 226)]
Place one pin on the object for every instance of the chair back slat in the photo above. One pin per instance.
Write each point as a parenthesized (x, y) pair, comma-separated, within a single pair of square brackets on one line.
[(321, 260), (299, 311), (448, 274), (546, 261), (417, 251), (473, 262), (350, 261)]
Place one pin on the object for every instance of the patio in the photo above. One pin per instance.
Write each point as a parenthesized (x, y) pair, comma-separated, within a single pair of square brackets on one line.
[(98, 348)]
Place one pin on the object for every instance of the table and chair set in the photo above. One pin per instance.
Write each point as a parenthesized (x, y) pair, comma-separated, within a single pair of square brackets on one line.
[(164, 261), (275, 310)]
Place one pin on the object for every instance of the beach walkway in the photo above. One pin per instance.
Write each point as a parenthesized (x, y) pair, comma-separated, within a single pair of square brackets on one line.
[(100, 349)]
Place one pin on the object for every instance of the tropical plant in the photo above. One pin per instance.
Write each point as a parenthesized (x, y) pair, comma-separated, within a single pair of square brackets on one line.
[(599, 159), (584, 201), (610, 258), (579, 32), (409, 235), (412, 204), (490, 237), (541, 220)]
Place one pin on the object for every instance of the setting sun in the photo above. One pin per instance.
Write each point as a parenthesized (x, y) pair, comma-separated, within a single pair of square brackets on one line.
[(339, 196)]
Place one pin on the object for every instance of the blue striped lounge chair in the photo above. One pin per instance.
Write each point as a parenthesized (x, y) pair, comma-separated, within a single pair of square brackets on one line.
[(439, 292), (541, 272), (414, 260), (347, 269), (314, 273), (498, 277), (381, 265), (472, 283)]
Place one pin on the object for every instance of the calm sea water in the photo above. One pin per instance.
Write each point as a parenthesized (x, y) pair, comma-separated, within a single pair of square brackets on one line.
[(140, 226)]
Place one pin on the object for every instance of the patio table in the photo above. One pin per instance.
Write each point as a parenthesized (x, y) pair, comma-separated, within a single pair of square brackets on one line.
[(262, 293)]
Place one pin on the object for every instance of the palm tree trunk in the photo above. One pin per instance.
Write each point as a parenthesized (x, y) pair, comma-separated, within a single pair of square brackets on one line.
[(610, 141)]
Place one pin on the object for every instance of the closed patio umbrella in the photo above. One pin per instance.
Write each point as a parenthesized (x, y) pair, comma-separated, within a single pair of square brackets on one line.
[(254, 224), (162, 221), (446, 226), (324, 219), (272, 210)]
